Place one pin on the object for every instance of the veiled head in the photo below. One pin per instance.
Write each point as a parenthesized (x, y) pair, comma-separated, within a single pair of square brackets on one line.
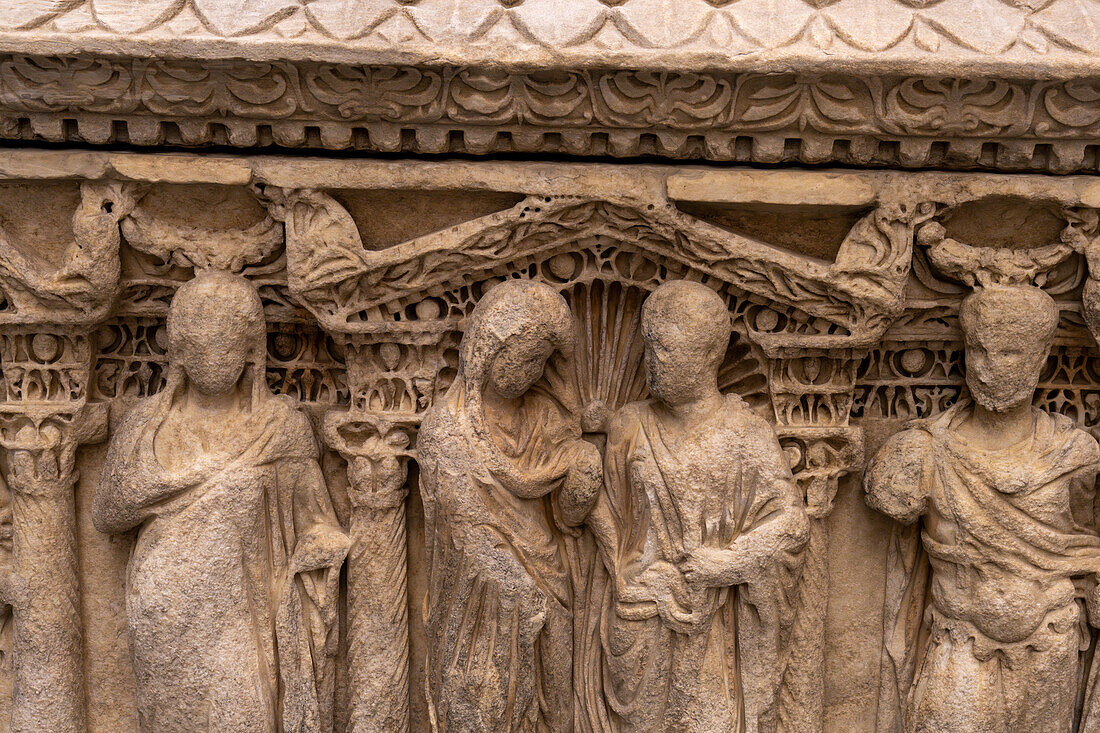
[(513, 330), (1008, 331), (215, 326), (687, 329)]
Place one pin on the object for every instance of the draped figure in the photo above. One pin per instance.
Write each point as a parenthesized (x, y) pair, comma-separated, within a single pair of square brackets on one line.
[(504, 478), (700, 528), (992, 576), (232, 586), (1003, 517)]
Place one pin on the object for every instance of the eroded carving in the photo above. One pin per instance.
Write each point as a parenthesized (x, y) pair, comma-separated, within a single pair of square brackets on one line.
[(86, 283), (374, 331), (504, 471), (232, 587), (700, 530), (1003, 496)]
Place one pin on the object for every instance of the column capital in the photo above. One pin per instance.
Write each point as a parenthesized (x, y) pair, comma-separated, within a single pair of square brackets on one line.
[(819, 457), (377, 448), (42, 445)]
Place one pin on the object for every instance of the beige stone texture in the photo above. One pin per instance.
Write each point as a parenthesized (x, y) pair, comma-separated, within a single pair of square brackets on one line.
[(571, 366), (575, 424)]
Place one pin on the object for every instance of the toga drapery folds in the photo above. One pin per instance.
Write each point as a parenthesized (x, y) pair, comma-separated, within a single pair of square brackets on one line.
[(667, 654), (993, 500)]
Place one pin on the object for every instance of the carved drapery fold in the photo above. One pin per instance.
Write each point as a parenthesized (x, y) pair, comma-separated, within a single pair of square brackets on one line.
[(811, 376), (809, 334)]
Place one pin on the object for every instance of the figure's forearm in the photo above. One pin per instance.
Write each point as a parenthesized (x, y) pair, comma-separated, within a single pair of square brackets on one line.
[(602, 526), (756, 549), (121, 505), (112, 514)]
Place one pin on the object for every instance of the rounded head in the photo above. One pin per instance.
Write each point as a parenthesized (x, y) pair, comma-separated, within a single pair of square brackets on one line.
[(1008, 331), (686, 328), (514, 329), (215, 325)]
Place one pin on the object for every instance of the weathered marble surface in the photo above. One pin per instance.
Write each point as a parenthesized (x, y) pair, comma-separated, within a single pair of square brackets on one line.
[(1056, 36), (566, 421), (992, 84)]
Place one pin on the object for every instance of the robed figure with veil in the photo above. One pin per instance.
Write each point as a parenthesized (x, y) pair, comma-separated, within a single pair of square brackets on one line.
[(232, 587), (505, 478)]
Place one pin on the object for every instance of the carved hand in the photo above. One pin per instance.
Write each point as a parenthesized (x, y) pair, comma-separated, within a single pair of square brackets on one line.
[(321, 546), (582, 484), (659, 580), (712, 567)]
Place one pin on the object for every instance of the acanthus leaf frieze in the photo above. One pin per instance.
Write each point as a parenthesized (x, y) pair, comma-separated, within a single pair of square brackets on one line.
[(1009, 122)]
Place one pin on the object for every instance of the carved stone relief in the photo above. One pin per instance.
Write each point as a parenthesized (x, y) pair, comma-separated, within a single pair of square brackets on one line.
[(579, 451), (846, 117), (700, 530), (1007, 554), (232, 588)]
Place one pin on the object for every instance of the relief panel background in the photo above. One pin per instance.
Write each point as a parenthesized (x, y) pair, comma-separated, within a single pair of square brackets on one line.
[(914, 373)]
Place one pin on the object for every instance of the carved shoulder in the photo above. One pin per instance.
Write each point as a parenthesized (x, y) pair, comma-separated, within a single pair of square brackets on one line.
[(295, 425), (756, 428), (1084, 443), (895, 482), (131, 423)]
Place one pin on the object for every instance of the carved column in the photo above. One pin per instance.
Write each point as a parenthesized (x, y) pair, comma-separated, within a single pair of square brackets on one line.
[(43, 420), (387, 382), (378, 619), (812, 396)]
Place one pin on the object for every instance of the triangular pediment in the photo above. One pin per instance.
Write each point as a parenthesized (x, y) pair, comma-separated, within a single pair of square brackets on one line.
[(585, 262), (352, 289)]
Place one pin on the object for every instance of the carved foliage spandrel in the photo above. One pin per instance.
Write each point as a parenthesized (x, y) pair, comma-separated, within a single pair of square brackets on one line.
[(84, 286)]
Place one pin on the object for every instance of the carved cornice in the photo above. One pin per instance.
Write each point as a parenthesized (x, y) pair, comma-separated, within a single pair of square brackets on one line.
[(655, 34), (1017, 121)]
